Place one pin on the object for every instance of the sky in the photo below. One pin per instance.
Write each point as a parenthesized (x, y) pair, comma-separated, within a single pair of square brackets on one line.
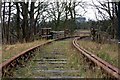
[(90, 14)]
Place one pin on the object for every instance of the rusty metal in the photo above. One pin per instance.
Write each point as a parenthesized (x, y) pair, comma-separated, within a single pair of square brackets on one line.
[(110, 69), (6, 66)]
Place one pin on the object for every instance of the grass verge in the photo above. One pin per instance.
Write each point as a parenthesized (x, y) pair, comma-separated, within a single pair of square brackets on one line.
[(9, 51), (108, 52), (60, 50)]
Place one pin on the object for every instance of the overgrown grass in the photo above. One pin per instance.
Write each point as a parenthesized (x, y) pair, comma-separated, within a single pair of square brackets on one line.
[(9, 51), (108, 52), (0, 53), (75, 61), (82, 33)]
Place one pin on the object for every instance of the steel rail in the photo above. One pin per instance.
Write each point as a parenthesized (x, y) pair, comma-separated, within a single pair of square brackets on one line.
[(110, 69), (12, 62)]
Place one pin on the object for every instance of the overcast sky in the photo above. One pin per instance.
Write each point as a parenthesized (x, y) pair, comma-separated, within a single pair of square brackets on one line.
[(90, 14)]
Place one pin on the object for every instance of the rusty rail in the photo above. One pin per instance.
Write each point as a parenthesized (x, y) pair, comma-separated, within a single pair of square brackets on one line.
[(5, 67), (110, 69)]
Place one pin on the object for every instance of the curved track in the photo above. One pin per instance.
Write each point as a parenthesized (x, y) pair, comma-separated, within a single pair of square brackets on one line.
[(6, 67), (111, 70)]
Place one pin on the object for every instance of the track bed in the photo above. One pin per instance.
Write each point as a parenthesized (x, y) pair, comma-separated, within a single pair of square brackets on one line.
[(58, 60)]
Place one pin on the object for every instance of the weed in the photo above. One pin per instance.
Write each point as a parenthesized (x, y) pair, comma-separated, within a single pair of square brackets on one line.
[(108, 52), (9, 51)]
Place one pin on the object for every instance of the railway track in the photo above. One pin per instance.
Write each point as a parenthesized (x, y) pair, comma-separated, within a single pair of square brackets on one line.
[(7, 66), (15, 61), (111, 70)]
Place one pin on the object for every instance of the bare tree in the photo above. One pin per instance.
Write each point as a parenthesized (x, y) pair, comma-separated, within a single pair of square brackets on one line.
[(25, 28), (32, 26), (55, 12), (18, 21), (24, 24), (3, 22), (108, 9), (8, 27), (0, 24)]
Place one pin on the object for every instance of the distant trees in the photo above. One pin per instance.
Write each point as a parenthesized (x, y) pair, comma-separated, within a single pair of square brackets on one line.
[(21, 21), (108, 11), (55, 13), (63, 14)]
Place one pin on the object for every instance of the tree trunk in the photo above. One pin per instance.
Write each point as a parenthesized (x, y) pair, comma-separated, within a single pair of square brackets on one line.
[(8, 27), (32, 21), (3, 27), (119, 24), (72, 14), (0, 24), (25, 28), (66, 18), (18, 22)]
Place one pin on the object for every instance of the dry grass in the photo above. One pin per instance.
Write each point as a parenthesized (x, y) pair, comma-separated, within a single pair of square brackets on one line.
[(75, 61), (108, 52), (82, 33), (0, 53), (9, 51)]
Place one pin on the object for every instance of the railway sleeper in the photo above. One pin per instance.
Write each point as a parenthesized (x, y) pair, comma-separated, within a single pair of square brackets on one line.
[(16, 63), (19, 62), (106, 75), (110, 76), (30, 54), (7, 74), (6, 71), (38, 49), (92, 66), (26, 57), (13, 64), (90, 63)]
